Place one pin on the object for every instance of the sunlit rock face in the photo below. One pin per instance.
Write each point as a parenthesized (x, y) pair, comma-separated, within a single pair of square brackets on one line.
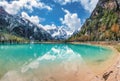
[(111, 4)]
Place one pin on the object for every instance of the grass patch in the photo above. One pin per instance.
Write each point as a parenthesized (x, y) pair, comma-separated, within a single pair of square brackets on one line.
[(9, 38)]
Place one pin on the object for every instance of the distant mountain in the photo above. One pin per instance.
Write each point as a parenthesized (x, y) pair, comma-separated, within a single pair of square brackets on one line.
[(103, 24), (59, 33), (20, 27)]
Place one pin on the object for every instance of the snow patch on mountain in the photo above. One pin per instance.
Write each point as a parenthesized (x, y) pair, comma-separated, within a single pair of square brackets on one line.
[(58, 32)]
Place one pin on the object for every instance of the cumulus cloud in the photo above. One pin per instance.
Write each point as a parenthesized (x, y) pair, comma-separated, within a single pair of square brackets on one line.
[(71, 20), (14, 7), (36, 20), (88, 5), (48, 27), (33, 19)]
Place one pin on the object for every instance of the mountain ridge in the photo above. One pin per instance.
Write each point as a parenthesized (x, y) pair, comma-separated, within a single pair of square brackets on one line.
[(103, 24), (21, 27)]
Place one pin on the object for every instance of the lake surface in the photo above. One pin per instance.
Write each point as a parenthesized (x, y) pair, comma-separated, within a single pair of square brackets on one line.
[(50, 62)]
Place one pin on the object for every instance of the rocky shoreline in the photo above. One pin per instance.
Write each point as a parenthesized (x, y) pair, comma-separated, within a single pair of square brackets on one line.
[(113, 72)]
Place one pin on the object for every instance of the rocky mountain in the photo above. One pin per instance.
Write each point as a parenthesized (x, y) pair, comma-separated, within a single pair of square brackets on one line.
[(20, 27), (103, 24), (59, 33)]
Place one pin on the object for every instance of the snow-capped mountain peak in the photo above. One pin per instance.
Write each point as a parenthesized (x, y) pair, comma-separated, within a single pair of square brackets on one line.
[(58, 33)]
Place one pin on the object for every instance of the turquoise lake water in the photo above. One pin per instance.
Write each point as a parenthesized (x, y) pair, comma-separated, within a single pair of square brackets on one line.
[(37, 58)]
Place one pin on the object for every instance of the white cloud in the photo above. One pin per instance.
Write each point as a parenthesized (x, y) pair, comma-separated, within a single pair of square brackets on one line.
[(70, 23), (36, 20), (63, 2), (33, 19), (88, 5), (71, 20), (49, 27), (14, 6)]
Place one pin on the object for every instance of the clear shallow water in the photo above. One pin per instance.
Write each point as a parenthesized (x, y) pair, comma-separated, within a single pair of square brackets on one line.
[(39, 62)]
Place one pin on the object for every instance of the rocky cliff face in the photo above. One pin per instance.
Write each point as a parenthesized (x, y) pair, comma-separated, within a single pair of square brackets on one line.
[(103, 24), (18, 26)]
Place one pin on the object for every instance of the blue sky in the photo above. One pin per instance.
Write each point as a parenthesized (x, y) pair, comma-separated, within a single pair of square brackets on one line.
[(52, 13)]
